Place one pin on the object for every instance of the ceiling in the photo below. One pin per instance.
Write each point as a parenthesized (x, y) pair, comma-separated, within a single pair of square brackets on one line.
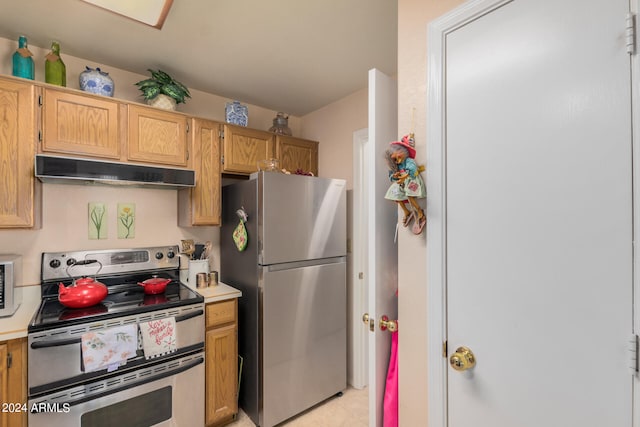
[(293, 56)]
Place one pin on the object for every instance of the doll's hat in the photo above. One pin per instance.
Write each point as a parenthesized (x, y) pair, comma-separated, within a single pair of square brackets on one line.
[(409, 143)]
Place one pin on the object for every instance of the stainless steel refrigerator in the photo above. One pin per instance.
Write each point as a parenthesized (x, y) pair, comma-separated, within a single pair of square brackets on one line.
[(292, 316)]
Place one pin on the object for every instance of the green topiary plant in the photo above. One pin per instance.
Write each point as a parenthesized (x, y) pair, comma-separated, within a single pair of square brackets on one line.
[(161, 82)]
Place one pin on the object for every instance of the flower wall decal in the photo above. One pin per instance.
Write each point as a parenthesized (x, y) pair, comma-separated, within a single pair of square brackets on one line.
[(126, 220)]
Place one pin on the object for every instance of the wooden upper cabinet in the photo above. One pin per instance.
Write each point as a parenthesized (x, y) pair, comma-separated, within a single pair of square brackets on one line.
[(201, 205), (80, 125), (157, 136), (244, 147), (17, 153), (297, 153)]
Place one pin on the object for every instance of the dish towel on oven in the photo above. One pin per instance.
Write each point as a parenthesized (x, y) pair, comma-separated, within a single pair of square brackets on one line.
[(109, 348), (158, 337)]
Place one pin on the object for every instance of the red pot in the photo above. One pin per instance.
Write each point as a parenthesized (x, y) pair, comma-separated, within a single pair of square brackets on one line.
[(155, 285), (84, 292)]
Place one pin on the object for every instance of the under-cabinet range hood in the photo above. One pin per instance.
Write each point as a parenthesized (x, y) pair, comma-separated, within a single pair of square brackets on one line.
[(73, 170)]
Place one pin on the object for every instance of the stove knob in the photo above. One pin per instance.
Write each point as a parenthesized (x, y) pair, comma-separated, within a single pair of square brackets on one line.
[(159, 255), (55, 263), (171, 254), (71, 261)]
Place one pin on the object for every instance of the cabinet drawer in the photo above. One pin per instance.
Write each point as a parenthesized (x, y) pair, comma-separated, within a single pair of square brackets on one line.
[(219, 313)]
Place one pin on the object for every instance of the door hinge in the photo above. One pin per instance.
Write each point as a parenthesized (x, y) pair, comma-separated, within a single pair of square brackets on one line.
[(9, 360), (221, 133), (187, 127), (222, 159), (634, 343), (444, 349), (630, 33)]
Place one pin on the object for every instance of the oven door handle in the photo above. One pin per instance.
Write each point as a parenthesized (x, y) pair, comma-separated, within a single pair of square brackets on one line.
[(189, 315), (55, 343), (128, 386)]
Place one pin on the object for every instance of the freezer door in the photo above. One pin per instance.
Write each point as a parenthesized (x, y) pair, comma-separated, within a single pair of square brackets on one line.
[(304, 338), (302, 217)]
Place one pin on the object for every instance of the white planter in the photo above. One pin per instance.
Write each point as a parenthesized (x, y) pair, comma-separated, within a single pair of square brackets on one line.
[(163, 101)]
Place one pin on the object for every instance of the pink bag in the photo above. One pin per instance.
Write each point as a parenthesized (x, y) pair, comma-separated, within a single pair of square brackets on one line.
[(390, 408)]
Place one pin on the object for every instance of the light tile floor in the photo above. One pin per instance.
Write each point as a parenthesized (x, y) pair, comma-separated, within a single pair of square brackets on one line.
[(351, 409)]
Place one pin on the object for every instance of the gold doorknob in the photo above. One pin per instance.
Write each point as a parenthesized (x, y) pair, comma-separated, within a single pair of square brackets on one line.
[(365, 318), (385, 324), (462, 359)]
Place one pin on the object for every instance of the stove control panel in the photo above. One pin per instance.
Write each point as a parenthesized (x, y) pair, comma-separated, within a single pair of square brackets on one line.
[(62, 265)]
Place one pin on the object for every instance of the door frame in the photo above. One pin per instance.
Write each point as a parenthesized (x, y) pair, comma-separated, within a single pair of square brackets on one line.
[(437, 362), (359, 343)]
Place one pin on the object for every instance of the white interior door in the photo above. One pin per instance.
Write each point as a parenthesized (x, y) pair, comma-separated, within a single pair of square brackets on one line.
[(358, 352), (531, 213), (382, 253)]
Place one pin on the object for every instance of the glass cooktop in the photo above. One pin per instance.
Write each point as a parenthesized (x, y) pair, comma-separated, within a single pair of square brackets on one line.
[(125, 298)]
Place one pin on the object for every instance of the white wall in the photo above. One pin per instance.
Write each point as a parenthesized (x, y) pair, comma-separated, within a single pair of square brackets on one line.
[(333, 125), (413, 17)]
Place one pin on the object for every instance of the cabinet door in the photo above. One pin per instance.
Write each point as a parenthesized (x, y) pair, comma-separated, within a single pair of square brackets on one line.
[(222, 373), (16, 380), (296, 153), (79, 124), (157, 136), (13, 382), (201, 205), (244, 147), (17, 151)]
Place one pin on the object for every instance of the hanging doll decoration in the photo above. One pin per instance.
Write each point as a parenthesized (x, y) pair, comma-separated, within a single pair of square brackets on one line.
[(406, 183)]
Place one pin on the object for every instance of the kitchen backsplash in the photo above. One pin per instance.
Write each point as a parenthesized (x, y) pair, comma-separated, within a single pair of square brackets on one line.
[(65, 224)]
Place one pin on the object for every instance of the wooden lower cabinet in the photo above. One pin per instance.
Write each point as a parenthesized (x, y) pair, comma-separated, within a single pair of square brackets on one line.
[(13, 383), (221, 348)]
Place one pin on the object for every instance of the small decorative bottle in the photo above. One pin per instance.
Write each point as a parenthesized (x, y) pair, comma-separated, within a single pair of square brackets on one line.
[(55, 71), (23, 61)]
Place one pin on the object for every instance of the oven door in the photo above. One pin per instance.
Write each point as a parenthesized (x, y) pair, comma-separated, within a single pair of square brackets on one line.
[(55, 356), (166, 394)]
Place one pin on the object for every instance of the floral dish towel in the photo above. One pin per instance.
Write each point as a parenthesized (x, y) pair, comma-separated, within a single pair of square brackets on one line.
[(109, 348)]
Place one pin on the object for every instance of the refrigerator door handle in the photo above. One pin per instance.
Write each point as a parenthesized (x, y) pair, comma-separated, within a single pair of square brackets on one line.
[(305, 263)]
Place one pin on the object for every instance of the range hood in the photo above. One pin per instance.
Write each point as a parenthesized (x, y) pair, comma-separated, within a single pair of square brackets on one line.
[(73, 170)]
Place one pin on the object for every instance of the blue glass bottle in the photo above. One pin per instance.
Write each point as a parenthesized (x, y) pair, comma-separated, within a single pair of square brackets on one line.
[(23, 61)]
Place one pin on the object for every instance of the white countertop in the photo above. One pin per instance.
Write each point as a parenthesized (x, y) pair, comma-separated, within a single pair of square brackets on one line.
[(220, 292), (16, 326)]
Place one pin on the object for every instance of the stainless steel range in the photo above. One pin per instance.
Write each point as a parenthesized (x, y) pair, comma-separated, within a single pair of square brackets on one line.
[(165, 390)]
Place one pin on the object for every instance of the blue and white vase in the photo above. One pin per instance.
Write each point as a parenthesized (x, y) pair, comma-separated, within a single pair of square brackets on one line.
[(96, 81), (236, 113)]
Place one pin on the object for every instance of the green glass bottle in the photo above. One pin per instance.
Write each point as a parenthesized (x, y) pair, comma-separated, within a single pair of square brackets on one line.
[(23, 61), (55, 71)]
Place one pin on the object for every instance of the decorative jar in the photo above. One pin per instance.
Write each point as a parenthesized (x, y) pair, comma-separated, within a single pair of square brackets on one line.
[(23, 61), (55, 72), (96, 81), (280, 125), (236, 113)]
